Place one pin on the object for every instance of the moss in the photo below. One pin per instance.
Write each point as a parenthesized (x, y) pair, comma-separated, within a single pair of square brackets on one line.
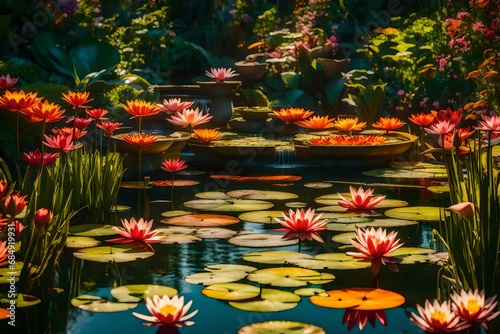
[(26, 71)]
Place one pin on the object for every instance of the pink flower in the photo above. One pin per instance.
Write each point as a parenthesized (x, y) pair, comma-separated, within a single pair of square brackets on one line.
[(108, 126), (303, 224), (62, 142), (472, 307), (466, 209), (7, 81), (489, 124), (173, 165), (361, 199), (34, 158), (447, 114), (136, 231), (167, 311), (220, 74), (42, 219), (175, 105), (189, 117), (80, 122), (438, 318), (440, 128)]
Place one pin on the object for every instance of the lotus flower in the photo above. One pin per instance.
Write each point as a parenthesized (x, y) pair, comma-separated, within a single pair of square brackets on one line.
[(18, 101), (109, 127), (389, 123), (456, 138), (74, 133), (77, 99), (290, 115), (349, 124), (175, 105), (189, 117), (361, 199), (221, 74), (34, 158), (96, 113), (167, 312), (136, 231), (44, 112), (3, 251), (207, 135), (173, 165), (375, 245), (489, 124), (42, 219), (438, 318), (141, 108), (80, 122), (303, 224), (353, 317), (472, 307), (454, 117), (422, 119), (140, 139), (440, 128), (62, 142), (7, 81), (14, 204), (316, 123)]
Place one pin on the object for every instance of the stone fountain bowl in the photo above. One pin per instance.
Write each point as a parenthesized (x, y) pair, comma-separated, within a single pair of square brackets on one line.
[(253, 113), (173, 143)]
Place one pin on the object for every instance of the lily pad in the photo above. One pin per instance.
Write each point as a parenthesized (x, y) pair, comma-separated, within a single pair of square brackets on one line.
[(389, 222), (318, 185), (308, 292), (81, 242), (216, 277), (165, 231), (261, 240), (215, 233), (344, 238), (270, 300), (22, 300), (439, 189), (289, 277), (116, 253), (362, 299), (177, 183), (273, 256), (229, 267), (280, 327), (261, 194), (119, 208), (201, 220), (135, 185), (135, 293), (273, 178), (296, 204), (6, 273), (420, 213), (408, 173), (339, 261), (175, 213), (228, 205), (92, 230), (212, 195), (180, 238), (333, 199), (97, 304), (191, 172), (231, 291), (263, 217)]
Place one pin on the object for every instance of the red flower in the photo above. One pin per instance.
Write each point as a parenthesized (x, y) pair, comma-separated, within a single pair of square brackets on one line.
[(109, 127), (303, 224), (18, 101), (43, 218), (361, 199), (4, 186), (7, 81), (61, 142), (80, 122), (34, 158), (3, 251), (140, 139), (136, 231), (454, 117), (44, 112), (77, 99), (173, 165), (353, 317), (96, 113), (14, 204), (74, 133)]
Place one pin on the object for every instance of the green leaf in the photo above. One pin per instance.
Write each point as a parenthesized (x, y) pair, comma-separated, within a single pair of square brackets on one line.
[(291, 79)]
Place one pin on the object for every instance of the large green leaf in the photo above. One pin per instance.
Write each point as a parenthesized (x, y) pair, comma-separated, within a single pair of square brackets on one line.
[(49, 54), (291, 79), (93, 57)]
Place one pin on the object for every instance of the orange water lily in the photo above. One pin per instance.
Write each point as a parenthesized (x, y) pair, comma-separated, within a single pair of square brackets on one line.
[(220, 74), (189, 117), (174, 105), (207, 135), (44, 112), (304, 224), (34, 158), (140, 139), (77, 99), (349, 124), (6, 81), (472, 306), (316, 123), (290, 115), (438, 318), (361, 199), (167, 311), (3, 251), (62, 142), (4, 187), (96, 113), (347, 140), (18, 101), (141, 108), (389, 123), (136, 231), (422, 119)]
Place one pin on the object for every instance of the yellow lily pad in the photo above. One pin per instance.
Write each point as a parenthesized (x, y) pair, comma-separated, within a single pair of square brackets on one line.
[(318, 185), (439, 189), (231, 291), (228, 205), (420, 213), (263, 217), (115, 252), (215, 233), (81, 242), (339, 261), (6, 273), (273, 256), (389, 222), (280, 327), (137, 292), (175, 213), (289, 277), (92, 230), (267, 195), (97, 304), (270, 300), (22, 300), (296, 204), (308, 292), (261, 240)]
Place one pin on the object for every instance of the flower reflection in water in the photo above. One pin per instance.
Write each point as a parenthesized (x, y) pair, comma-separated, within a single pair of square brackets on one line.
[(353, 317)]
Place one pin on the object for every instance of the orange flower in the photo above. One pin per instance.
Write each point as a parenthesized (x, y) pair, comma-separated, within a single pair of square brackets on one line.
[(167, 311), (43, 218), (96, 113), (422, 119), (303, 224), (140, 139), (361, 199), (4, 186), (290, 115), (207, 135), (316, 123), (388, 123), (438, 318), (3, 251), (141, 108), (34, 158), (48, 112), (62, 142), (173, 165), (14, 204), (77, 99), (7, 81), (347, 140), (18, 101), (348, 124), (136, 231)]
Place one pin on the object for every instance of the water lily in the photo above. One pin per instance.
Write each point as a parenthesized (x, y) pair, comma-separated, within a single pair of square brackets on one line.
[(349, 124), (454, 117), (374, 245), (42, 219), (167, 311), (109, 127), (189, 117), (6, 81), (173, 165), (18, 101), (141, 108), (207, 135), (44, 112), (4, 187), (303, 224), (388, 123), (77, 99), (290, 115), (361, 317), (80, 122), (466, 209), (361, 199), (174, 105), (62, 142), (422, 119), (14, 204), (316, 123), (472, 307), (140, 139), (221, 74), (136, 231), (96, 113), (74, 133), (440, 128), (34, 158), (490, 123), (3, 251), (438, 318)]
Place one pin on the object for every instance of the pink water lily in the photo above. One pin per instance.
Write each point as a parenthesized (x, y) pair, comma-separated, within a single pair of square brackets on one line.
[(167, 311), (136, 231), (361, 199), (7, 81), (490, 123), (174, 105), (472, 306), (466, 209), (303, 224), (438, 318), (221, 74), (440, 128), (189, 117)]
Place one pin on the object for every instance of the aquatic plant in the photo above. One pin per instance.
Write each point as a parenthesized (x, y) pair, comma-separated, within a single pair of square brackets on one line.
[(167, 311), (438, 318), (220, 74), (136, 231), (360, 199), (302, 224)]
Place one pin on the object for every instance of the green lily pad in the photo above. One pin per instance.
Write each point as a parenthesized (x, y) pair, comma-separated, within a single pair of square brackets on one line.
[(263, 217), (22, 300), (270, 300), (231, 291), (209, 278), (352, 220), (228, 205), (439, 189), (180, 238), (389, 222), (215, 233), (267, 195), (318, 185), (116, 253), (175, 213), (420, 213), (344, 238), (289, 277), (97, 304), (81, 242), (119, 208), (339, 261), (212, 195), (308, 292), (165, 231), (135, 185), (92, 230), (201, 220), (229, 267), (296, 204), (6, 273), (135, 293), (273, 256), (261, 240), (408, 173), (190, 172), (280, 327)]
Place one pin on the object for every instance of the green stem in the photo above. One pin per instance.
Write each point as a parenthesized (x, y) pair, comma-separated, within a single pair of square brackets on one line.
[(172, 191)]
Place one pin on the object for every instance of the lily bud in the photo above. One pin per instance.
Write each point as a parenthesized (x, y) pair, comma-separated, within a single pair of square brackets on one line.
[(456, 140), (43, 218)]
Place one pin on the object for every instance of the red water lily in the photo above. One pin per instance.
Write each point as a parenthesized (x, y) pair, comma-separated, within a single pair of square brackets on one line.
[(7, 81), (136, 231), (80, 122), (14, 204), (34, 158), (173, 165), (109, 127), (4, 186), (62, 142), (454, 117), (303, 224), (74, 133), (361, 317), (361, 199), (167, 311), (42, 219)]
